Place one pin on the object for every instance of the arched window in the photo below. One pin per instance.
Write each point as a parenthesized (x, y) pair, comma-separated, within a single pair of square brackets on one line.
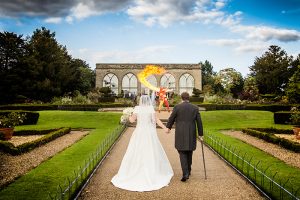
[(152, 80), (111, 80), (168, 81), (186, 83), (129, 83)]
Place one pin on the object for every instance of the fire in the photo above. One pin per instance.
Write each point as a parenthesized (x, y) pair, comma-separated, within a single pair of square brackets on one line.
[(150, 70)]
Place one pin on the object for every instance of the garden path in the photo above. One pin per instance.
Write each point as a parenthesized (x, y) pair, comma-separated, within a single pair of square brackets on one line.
[(222, 182)]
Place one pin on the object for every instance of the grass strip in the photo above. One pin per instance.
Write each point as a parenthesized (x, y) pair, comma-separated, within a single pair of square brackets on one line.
[(39, 182)]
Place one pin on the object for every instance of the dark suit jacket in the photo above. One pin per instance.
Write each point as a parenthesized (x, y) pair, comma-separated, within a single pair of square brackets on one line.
[(188, 119)]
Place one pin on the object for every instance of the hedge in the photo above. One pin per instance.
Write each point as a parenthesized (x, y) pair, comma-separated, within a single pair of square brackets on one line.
[(274, 130), (29, 107), (106, 99), (8, 147), (73, 107), (269, 137), (209, 107), (283, 118), (197, 99), (33, 132), (265, 107), (95, 107), (31, 117)]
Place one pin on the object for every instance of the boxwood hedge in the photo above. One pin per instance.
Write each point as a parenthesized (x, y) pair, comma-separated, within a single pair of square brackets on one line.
[(272, 138), (49, 135)]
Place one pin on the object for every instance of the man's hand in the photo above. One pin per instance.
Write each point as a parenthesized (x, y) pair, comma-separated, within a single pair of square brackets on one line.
[(200, 138)]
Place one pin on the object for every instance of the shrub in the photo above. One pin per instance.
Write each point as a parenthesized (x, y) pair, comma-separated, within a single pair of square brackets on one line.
[(31, 117), (295, 116), (283, 117), (197, 99), (12, 119), (196, 92), (106, 99), (105, 92), (68, 100)]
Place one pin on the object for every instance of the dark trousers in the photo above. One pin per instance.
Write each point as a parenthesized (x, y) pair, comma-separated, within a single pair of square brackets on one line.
[(186, 161)]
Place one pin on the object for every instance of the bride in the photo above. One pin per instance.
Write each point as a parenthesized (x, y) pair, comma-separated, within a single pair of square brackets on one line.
[(145, 165)]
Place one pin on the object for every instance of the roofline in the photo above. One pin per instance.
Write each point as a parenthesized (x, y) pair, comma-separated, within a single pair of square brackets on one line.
[(142, 65)]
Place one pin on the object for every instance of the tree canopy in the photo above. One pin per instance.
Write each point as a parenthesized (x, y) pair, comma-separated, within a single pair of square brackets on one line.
[(40, 68), (272, 70)]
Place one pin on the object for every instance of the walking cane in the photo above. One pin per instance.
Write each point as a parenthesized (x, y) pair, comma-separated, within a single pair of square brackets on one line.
[(203, 158)]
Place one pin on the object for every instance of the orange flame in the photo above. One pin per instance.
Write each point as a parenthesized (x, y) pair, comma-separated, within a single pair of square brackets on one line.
[(150, 70)]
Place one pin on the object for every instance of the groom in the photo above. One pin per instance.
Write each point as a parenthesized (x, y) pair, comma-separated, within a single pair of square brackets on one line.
[(188, 120)]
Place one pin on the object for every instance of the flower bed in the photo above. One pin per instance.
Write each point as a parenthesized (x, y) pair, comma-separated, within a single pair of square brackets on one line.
[(269, 136), (49, 135)]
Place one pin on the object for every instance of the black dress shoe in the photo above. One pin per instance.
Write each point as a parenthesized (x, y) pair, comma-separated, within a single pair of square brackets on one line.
[(184, 178)]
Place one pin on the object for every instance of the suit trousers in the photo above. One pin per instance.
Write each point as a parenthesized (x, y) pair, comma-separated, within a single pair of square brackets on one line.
[(186, 161)]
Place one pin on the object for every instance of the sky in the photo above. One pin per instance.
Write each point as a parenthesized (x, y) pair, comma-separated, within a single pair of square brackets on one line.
[(227, 33)]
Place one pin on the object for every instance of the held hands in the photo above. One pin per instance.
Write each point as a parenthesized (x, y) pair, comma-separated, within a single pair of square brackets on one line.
[(167, 131)]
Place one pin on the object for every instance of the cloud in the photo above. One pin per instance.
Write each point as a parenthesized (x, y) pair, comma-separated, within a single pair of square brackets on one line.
[(166, 12), (149, 12), (53, 20), (265, 33), (16, 8), (69, 19), (292, 11), (60, 8), (239, 45), (223, 42)]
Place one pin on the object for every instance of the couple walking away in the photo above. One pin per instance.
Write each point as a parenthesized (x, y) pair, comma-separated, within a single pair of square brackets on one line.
[(145, 165)]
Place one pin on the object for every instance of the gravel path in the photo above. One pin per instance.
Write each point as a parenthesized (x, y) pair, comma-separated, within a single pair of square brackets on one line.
[(283, 154), (222, 182), (12, 167)]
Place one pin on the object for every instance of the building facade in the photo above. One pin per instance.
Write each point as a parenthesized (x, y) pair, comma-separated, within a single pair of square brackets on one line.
[(123, 76)]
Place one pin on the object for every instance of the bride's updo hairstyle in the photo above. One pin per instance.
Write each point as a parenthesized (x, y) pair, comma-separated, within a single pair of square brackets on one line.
[(145, 100)]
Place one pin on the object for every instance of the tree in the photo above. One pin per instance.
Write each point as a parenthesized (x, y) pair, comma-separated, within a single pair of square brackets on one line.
[(231, 80), (272, 70), (12, 50), (51, 61), (207, 73), (293, 88), (40, 68), (84, 79), (250, 91)]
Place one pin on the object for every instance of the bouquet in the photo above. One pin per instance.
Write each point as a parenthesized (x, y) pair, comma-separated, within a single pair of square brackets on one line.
[(127, 112)]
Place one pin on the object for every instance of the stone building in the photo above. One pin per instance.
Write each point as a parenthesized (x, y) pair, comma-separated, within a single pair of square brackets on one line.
[(123, 76)]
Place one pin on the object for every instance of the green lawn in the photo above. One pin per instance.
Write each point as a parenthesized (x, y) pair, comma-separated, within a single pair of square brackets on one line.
[(46, 177), (238, 119), (214, 121)]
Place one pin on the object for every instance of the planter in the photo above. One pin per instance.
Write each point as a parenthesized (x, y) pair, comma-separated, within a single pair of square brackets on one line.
[(6, 133), (297, 132)]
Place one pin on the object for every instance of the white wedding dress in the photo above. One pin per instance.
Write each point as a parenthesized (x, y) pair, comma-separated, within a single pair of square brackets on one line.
[(145, 165)]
